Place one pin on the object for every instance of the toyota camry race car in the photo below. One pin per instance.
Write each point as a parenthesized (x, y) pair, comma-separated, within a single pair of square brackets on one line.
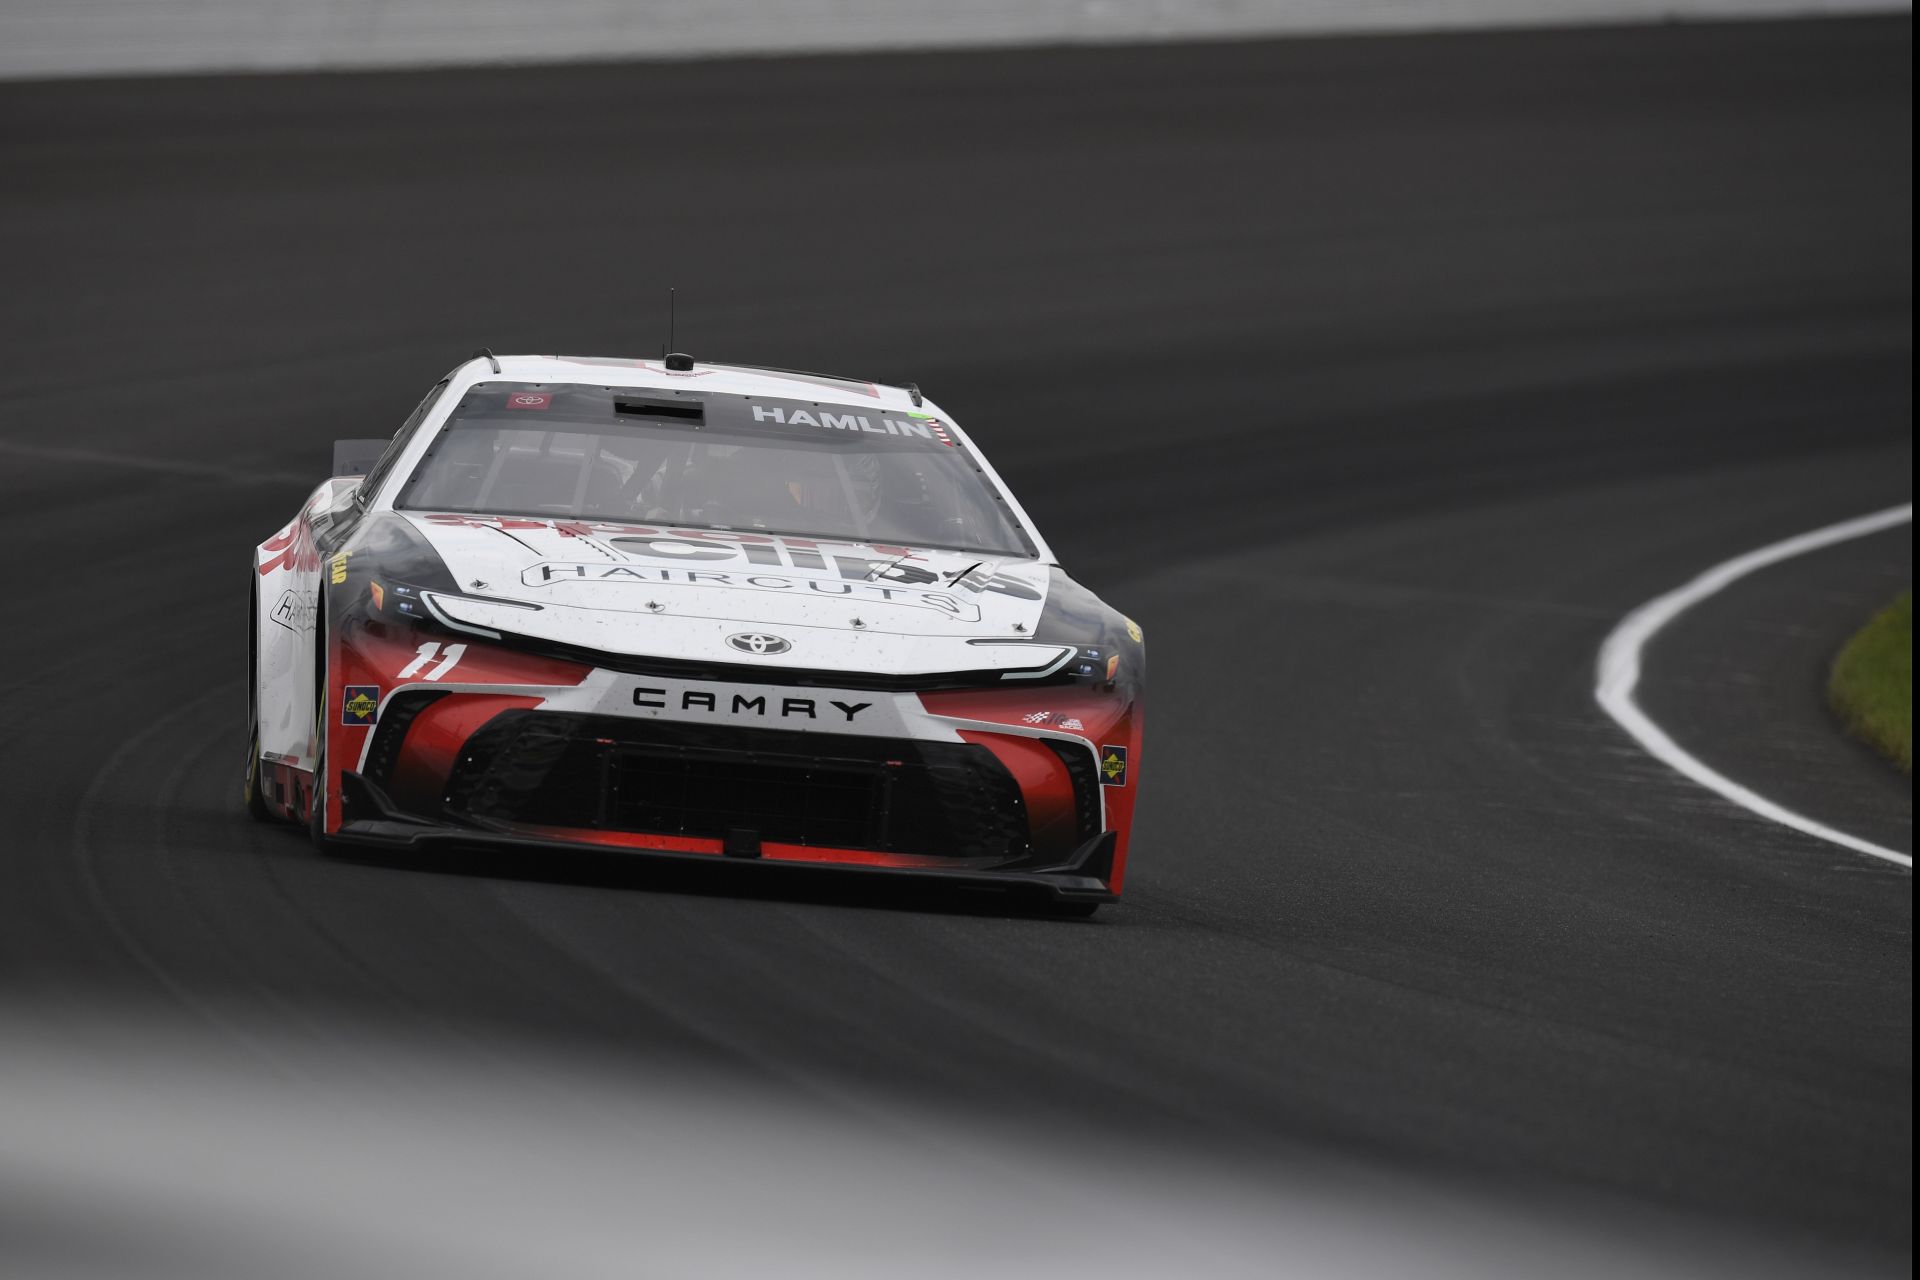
[(696, 611)]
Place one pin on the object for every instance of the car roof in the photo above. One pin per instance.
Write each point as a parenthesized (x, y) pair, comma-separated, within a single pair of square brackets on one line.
[(733, 379)]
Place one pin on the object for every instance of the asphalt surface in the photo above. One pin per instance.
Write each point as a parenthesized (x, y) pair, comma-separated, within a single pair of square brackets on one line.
[(1376, 378), (1741, 682)]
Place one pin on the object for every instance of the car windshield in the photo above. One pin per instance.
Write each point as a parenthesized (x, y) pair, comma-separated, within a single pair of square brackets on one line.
[(828, 471)]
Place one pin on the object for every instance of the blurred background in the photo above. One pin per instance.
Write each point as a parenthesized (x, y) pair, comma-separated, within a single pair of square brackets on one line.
[(1377, 356)]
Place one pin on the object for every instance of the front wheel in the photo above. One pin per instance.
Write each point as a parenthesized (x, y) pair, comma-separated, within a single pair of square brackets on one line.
[(250, 796), (317, 808), (250, 785)]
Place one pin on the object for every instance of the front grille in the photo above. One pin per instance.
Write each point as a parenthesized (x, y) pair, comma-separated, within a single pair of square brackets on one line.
[(890, 795), (388, 735), (1085, 775)]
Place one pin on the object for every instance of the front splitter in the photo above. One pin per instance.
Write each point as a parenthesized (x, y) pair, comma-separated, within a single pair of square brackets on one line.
[(1073, 881)]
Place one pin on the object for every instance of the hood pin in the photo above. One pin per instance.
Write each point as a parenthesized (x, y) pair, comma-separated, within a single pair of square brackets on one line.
[(654, 606), (858, 622)]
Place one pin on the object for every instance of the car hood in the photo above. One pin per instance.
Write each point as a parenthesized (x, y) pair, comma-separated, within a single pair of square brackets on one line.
[(688, 594)]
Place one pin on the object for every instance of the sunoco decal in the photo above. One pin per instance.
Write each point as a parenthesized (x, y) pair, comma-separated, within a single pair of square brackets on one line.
[(360, 705)]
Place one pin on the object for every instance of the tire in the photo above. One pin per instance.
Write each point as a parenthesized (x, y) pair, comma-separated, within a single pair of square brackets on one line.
[(317, 810), (250, 783)]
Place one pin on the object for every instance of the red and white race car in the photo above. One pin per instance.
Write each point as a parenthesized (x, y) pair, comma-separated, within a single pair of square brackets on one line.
[(699, 611)]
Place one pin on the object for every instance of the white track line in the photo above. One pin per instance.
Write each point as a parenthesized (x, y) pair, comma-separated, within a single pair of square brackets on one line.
[(1620, 671)]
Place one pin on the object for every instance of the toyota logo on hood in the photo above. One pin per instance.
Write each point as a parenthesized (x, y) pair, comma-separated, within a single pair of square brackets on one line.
[(759, 643)]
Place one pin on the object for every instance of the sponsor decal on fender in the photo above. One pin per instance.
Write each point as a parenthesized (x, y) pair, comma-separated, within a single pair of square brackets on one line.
[(1113, 766), (359, 705), (337, 568), (293, 611)]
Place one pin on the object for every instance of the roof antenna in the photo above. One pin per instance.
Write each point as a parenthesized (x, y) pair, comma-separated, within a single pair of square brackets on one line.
[(675, 361), (481, 353)]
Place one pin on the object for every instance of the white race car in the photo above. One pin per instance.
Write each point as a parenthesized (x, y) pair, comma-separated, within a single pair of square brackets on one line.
[(695, 611)]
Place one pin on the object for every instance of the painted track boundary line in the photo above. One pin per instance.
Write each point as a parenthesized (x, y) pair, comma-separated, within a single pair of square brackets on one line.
[(1619, 672)]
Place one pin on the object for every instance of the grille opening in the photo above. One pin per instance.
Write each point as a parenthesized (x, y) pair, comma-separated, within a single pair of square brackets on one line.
[(388, 735), (1086, 784), (607, 773), (678, 410)]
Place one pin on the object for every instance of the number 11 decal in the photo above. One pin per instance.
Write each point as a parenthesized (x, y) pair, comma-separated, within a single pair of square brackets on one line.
[(426, 655)]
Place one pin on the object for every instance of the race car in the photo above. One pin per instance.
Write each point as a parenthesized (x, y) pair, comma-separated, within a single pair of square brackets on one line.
[(693, 611)]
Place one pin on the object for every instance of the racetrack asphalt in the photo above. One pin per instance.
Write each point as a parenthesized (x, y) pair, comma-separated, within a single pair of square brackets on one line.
[(1377, 378)]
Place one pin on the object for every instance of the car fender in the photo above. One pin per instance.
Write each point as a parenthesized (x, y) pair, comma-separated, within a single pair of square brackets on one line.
[(288, 569)]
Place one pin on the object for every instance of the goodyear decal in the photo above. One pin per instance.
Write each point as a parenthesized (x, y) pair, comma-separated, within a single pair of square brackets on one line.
[(360, 705), (1133, 630), (1113, 766), (337, 570)]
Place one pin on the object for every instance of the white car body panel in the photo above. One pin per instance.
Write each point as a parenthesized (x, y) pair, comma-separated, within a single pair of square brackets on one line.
[(600, 592), (286, 602)]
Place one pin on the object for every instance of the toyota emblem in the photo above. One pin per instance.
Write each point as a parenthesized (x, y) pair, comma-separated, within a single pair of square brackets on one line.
[(759, 643)]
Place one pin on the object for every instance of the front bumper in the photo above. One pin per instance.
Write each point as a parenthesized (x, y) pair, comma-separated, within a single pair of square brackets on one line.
[(375, 825), (1000, 787)]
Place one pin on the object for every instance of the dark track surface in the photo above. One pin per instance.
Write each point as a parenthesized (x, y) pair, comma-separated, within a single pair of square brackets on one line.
[(1378, 379), (1741, 682)]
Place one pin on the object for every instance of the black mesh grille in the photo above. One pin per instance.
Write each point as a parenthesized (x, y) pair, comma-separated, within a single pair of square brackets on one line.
[(395, 719), (1086, 784), (888, 795)]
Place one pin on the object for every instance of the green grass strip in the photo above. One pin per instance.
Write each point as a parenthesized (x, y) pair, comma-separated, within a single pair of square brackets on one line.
[(1872, 684)]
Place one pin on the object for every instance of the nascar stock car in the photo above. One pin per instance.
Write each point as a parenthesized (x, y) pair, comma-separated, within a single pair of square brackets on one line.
[(698, 611)]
